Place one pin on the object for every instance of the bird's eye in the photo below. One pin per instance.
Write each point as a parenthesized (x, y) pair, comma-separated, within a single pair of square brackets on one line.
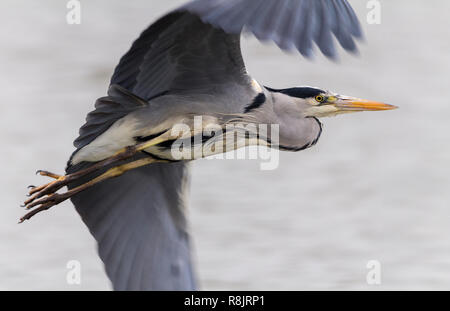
[(320, 98)]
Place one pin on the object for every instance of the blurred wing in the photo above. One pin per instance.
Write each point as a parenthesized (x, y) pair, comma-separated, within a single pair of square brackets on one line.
[(139, 224), (291, 24), (197, 47), (138, 219)]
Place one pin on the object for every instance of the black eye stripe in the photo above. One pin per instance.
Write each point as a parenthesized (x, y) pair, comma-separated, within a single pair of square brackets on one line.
[(299, 92)]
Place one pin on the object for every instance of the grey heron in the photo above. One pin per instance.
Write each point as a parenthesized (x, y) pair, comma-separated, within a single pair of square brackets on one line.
[(187, 64)]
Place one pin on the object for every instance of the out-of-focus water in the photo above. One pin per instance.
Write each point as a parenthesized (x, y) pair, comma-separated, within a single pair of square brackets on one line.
[(375, 187)]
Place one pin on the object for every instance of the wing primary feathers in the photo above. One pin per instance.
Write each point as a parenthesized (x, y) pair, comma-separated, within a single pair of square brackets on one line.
[(324, 37), (355, 28), (263, 15), (304, 39), (284, 34)]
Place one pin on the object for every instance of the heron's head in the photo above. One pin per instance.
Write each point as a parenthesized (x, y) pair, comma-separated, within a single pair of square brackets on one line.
[(318, 103)]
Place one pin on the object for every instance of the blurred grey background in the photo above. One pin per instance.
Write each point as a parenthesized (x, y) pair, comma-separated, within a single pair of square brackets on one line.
[(375, 187)]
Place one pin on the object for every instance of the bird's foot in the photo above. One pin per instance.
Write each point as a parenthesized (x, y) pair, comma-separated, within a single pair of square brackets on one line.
[(44, 197), (45, 204), (38, 203), (36, 194), (48, 188)]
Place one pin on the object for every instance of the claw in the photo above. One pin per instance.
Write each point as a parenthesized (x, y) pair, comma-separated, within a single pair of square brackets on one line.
[(47, 189), (42, 208), (48, 174), (37, 189), (31, 187)]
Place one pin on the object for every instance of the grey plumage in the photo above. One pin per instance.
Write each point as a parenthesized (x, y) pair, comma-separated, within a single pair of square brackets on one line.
[(140, 227), (108, 110), (290, 23), (193, 52)]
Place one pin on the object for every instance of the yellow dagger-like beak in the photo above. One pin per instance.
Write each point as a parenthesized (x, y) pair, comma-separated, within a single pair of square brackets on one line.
[(335, 105), (356, 104)]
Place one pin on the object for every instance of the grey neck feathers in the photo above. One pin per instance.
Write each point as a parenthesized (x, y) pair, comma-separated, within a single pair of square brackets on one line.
[(296, 131)]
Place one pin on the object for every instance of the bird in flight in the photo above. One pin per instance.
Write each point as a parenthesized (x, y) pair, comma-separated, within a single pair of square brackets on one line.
[(185, 65)]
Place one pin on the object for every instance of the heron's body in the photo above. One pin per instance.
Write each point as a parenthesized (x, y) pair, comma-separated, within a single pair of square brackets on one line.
[(188, 64), (156, 117)]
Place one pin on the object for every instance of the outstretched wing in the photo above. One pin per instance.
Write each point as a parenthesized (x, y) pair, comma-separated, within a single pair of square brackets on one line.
[(291, 24), (140, 226), (139, 218), (189, 56), (197, 47)]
